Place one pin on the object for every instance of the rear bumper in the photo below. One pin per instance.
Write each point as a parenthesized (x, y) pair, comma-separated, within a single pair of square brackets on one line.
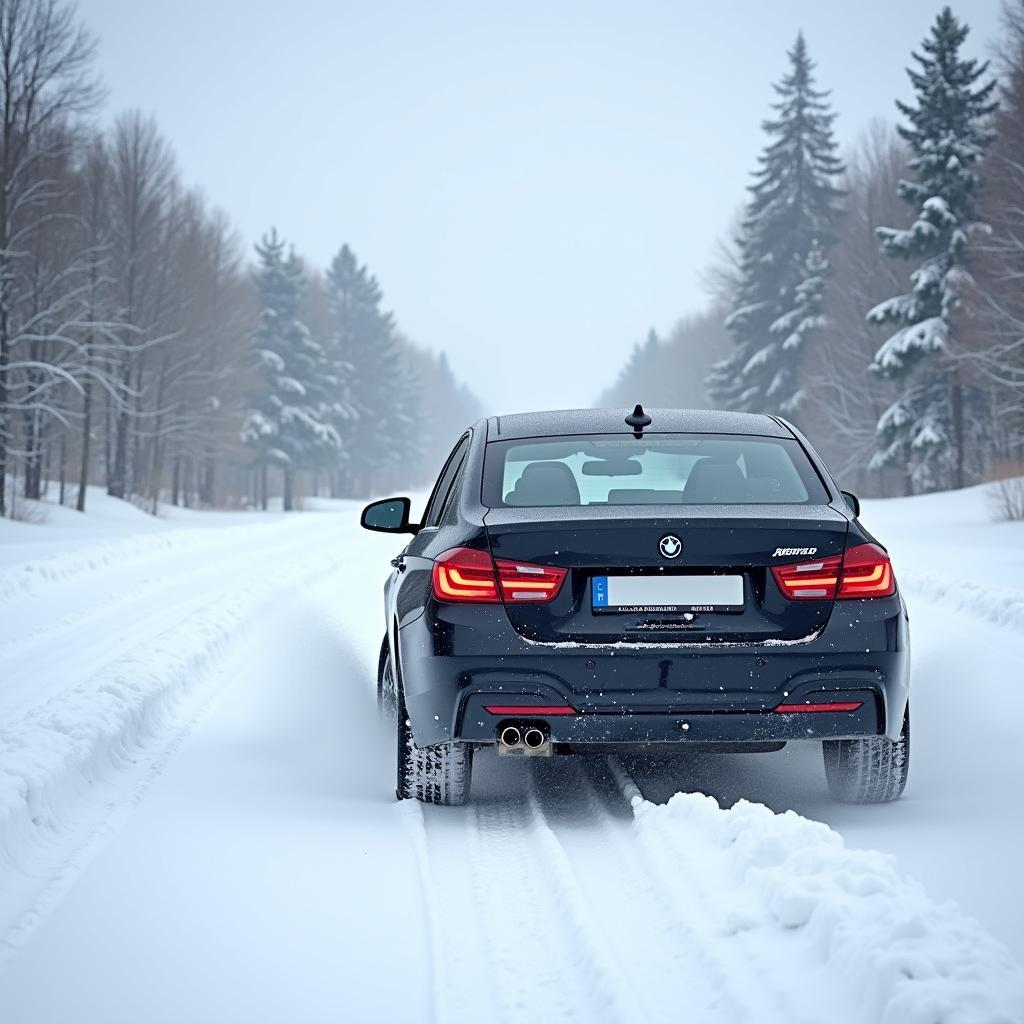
[(454, 661), (676, 727)]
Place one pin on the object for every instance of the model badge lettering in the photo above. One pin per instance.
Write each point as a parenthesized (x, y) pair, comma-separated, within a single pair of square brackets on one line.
[(786, 552)]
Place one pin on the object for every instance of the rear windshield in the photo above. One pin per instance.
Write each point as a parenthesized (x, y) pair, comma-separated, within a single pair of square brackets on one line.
[(670, 469)]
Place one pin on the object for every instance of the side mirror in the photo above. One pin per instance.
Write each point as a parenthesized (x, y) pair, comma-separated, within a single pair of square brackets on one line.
[(852, 501), (388, 516)]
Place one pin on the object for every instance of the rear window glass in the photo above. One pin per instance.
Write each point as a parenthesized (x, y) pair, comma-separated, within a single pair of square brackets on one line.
[(669, 469)]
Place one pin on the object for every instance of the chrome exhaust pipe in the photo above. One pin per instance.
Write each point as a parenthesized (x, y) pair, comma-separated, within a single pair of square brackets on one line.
[(510, 736), (534, 738)]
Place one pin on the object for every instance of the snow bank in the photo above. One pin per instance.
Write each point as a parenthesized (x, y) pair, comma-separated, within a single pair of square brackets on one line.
[(903, 958), (59, 756), (30, 579), (947, 550), (998, 605)]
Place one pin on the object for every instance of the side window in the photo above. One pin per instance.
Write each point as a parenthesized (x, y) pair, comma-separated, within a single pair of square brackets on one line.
[(447, 517), (444, 483)]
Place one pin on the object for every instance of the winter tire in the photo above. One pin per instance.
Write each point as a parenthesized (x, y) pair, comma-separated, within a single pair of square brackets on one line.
[(433, 775), (387, 694), (868, 771)]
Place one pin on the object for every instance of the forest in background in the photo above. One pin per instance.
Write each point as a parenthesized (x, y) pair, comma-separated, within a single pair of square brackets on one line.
[(141, 350), (874, 299)]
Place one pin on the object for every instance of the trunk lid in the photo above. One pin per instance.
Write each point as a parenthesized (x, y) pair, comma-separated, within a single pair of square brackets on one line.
[(625, 541)]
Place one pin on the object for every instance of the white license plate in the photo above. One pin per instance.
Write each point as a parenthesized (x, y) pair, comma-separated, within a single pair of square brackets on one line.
[(666, 593)]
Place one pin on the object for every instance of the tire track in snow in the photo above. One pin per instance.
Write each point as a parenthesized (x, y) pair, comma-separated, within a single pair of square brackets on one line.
[(512, 949), (72, 765), (159, 561), (78, 645), (621, 998), (542, 976), (657, 948), (415, 827), (35, 579)]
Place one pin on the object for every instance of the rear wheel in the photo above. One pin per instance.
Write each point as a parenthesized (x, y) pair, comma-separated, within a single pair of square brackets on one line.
[(868, 771), (441, 774), (387, 692)]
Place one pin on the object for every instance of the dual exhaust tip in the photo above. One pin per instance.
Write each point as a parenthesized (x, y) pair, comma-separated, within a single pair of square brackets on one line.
[(531, 737)]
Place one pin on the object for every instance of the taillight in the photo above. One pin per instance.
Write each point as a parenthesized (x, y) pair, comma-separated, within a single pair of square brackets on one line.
[(809, 581), (867, 572), (862, 571), (463, 575)]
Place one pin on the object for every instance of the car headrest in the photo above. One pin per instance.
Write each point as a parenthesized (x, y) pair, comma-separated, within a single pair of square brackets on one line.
[(712, 480), (545, 483)]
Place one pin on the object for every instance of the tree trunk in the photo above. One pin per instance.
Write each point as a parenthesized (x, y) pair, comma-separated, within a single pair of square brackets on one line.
[(118, 472), (5, 273), (207, 487), (30, 428), (957, 403), (3, 426), (83, 472), (63, 467), (176, 481), (289, 483)]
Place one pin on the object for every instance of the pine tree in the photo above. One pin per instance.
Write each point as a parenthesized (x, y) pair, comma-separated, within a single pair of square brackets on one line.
[(786, 232), (925, 430), (363, 336), (285, 424)]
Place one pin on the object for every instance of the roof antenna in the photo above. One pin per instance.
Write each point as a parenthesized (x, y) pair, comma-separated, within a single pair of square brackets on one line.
[(638, 419)]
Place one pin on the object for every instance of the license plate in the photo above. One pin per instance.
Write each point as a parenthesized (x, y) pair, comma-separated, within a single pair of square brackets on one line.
[(666, 593)]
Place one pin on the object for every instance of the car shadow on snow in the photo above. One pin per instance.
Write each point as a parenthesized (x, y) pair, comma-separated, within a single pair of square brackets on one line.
[(569, 788)]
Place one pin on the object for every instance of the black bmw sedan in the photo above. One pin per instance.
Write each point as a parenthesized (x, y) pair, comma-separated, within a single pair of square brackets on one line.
[(602, 581)]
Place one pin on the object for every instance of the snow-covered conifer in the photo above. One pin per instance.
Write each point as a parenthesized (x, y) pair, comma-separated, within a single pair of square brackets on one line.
[(363, 337), (925, 429), (285, 423), (787, 229)]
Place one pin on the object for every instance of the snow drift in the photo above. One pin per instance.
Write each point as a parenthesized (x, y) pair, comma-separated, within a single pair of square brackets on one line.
[(904, 958)]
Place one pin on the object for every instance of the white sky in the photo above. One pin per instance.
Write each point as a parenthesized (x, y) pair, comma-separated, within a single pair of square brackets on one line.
[(534, 184)]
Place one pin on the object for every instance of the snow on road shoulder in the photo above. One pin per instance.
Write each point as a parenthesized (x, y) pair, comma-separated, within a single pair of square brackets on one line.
[(59, 757), (1002, 606), (947, 550), (65, 545), (866, 928)]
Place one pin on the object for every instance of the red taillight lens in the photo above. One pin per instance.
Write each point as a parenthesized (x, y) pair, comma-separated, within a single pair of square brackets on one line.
[(522, 582), (867, 572), (463, 575), (862, 571), (809, 581)]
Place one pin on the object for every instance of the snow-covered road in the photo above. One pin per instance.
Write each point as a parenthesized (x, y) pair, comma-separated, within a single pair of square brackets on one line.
[(196, 818)]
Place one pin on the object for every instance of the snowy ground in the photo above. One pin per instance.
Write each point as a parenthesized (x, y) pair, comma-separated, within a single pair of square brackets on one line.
[(196, 819)]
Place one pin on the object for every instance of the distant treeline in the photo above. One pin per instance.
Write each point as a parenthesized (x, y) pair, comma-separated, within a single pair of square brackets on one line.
[(876, 301), (139, 350)]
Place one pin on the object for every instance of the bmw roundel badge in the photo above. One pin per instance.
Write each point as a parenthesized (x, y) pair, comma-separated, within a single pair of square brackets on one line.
[(670, 546)]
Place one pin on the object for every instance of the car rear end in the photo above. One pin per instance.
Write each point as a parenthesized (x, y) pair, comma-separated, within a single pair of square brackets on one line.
[(722, 595)]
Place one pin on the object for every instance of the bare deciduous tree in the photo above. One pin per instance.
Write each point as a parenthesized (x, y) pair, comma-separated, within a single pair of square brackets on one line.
[(46, 78)]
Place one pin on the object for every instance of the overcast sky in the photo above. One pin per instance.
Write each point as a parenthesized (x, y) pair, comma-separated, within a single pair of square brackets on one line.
[(534, 184)]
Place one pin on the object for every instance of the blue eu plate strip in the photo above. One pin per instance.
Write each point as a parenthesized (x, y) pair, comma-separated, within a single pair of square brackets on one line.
[(600, 591)]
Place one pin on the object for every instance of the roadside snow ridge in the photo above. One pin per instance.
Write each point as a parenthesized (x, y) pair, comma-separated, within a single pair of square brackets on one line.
[(1001, 606), (903, 958)]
